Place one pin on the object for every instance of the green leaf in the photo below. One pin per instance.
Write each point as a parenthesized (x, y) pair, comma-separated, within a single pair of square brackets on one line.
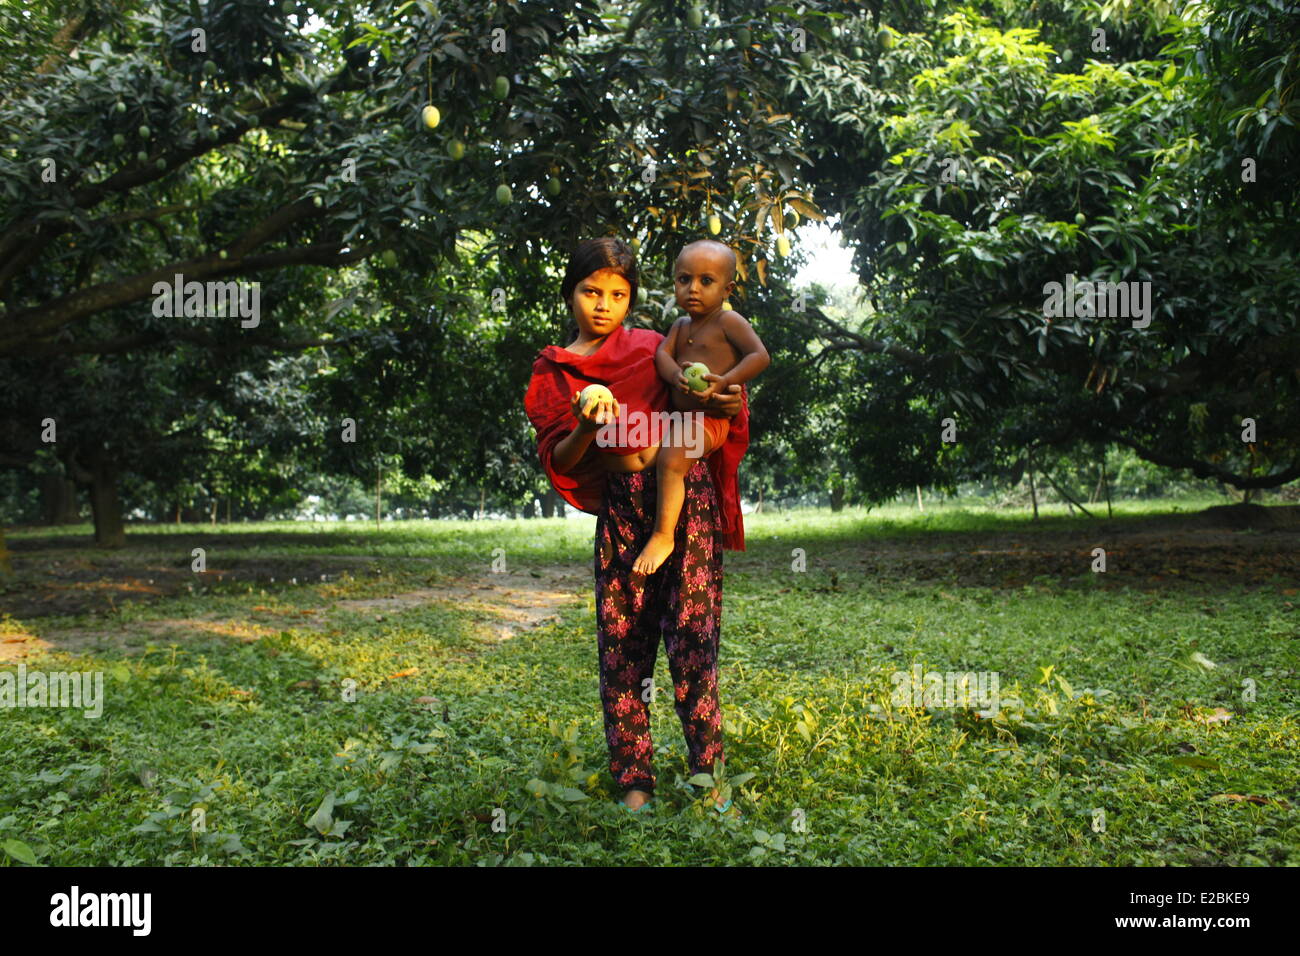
[(1198, 763), (20, 851), (702, 780), (323, 818)]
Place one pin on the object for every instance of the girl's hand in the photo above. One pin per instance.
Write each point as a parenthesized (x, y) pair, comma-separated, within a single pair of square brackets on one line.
[(681, 384), (597, 413), (727, 403)]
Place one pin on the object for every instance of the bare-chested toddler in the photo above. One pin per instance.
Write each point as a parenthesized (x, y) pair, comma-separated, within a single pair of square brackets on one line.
[(704, 276)]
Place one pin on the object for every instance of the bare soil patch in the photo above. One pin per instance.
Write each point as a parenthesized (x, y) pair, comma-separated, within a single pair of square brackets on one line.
[(506, 604)]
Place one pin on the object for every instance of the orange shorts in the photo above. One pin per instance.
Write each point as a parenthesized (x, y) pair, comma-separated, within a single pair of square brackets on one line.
[(717, 429)]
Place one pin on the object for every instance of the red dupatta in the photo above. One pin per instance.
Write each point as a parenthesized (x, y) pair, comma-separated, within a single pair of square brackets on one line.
[(625, 363)]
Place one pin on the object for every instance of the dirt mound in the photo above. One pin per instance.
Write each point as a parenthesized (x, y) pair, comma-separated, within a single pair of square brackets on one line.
[(1251, 516)]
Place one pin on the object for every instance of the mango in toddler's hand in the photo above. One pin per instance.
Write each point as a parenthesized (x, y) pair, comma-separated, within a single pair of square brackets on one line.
[(695, 373), (598, 393)]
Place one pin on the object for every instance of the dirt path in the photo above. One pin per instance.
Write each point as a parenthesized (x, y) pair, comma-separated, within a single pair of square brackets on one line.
[(1224, 547), (505, 604)]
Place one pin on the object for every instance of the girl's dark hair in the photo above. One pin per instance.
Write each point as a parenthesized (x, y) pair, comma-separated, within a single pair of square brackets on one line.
[(592, 255)]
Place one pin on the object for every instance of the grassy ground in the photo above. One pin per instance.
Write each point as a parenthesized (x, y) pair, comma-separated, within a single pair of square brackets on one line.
[(1125, 732)]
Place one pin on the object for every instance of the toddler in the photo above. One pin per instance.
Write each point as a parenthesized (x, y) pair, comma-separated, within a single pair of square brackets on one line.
[(703, 277)]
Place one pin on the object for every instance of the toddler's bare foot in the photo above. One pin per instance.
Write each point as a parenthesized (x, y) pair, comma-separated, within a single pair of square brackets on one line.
[(654, 553)]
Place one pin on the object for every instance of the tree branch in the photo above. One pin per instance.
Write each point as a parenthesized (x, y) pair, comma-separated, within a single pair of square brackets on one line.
[(45, 319), (1205, 469), (867, 344), (166, 338)]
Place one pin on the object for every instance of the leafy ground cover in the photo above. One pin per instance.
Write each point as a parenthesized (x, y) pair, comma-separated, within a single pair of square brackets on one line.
[(426, 694)]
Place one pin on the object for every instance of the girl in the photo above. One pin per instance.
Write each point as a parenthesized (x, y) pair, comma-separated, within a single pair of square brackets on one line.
[(683, 599)]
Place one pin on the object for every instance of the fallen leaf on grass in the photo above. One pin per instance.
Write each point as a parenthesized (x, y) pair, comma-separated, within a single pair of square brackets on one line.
[(427, 700), (306, 685), (1242, 798), (1219, 715), (240, 693), (409, 672)]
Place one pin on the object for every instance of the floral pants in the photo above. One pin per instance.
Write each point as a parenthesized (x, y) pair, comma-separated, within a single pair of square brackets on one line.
[(682, 601)]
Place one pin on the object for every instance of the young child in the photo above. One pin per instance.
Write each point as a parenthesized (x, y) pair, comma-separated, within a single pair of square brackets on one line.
[(703, 277)]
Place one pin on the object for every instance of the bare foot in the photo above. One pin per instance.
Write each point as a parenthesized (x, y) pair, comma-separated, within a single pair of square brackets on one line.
[(654, 553), (635, 798)]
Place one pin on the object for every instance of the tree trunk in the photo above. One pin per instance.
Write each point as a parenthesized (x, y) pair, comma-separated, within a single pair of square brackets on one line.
[(482, 502), (530, 508), (376, 496), (837, 498), (227, 510), (919, 503), (1106, 482), (214, 512), (105, 504), (58, 499), (758, 508), (5, 566), (1033, 490), (549, 498)]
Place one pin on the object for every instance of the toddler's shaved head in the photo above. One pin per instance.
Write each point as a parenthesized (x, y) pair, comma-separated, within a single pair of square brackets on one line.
[(718, 252)]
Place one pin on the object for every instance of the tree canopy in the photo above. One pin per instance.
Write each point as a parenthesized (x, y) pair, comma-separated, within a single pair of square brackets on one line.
[(407, 265)]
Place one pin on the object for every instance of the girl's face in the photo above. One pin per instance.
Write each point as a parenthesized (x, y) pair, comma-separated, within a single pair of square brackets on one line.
[(600, 303)]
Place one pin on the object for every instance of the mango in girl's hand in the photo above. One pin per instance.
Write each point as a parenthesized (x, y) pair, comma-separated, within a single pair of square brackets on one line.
[(598, 393), (695, 373)]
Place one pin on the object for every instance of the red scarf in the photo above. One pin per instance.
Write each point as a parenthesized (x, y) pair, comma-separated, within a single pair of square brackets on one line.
[(625, 363)]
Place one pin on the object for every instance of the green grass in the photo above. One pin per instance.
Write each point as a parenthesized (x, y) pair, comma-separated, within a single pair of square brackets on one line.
[(1111, 704)]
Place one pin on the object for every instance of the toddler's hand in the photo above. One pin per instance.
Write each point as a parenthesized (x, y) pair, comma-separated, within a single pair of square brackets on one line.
[(715, 386)]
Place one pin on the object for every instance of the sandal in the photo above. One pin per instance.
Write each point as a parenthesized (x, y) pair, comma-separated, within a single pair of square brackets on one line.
[(638, 809)]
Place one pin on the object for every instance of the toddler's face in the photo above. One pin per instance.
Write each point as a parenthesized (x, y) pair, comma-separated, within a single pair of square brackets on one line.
[(601, 302), (698, 281)]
